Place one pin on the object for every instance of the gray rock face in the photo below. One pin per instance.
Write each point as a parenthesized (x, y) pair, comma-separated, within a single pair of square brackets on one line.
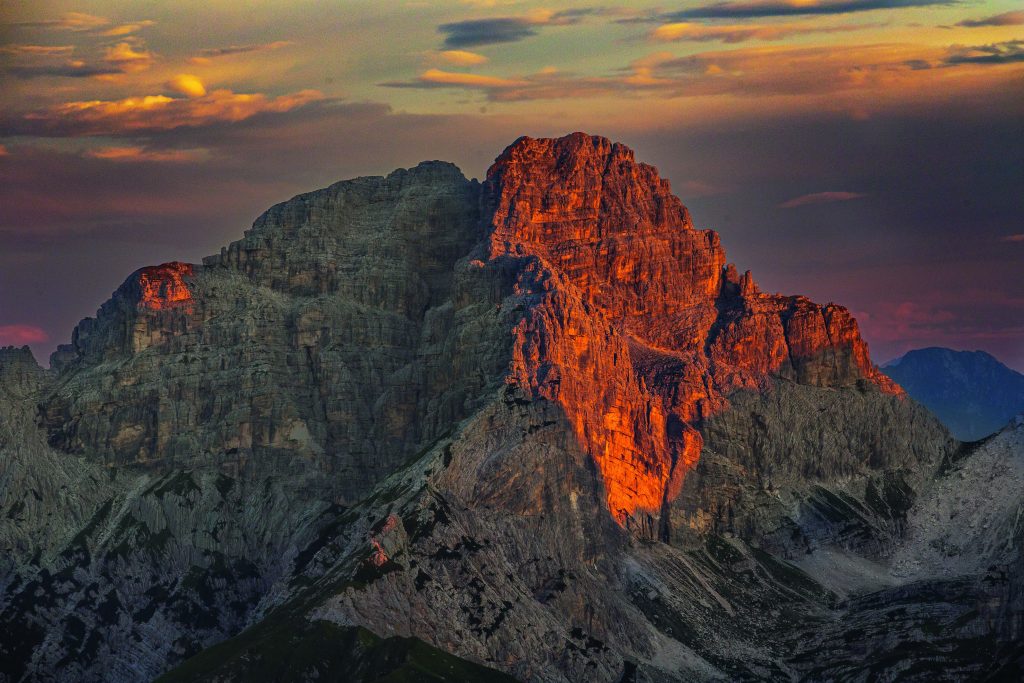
[(366, 415), (322, 340)]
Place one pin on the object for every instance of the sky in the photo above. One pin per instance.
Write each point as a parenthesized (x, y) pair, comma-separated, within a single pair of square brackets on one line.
[(866, 152)]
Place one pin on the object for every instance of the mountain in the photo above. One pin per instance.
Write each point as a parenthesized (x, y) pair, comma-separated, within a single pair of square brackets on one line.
[(423, 427), (971, 392)]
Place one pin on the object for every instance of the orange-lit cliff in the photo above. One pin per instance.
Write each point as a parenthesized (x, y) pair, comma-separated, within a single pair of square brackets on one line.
[(639, 328), (627, 317), (164, 286)]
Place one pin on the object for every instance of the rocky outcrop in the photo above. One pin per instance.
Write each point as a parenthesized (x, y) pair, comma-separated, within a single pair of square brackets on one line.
[(539, 423), (327, 338), (636, 326)]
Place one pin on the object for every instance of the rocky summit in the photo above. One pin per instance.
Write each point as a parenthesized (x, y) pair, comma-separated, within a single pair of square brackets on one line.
[(534, 428)]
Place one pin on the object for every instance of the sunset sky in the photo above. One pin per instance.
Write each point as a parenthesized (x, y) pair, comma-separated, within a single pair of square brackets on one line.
[(867, 152)]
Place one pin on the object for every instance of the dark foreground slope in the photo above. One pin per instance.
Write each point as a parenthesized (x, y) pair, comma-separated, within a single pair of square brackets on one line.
[(971, 392), (538, 423)]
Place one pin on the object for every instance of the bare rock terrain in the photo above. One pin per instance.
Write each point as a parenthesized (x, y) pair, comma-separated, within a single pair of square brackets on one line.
[(417, 424)]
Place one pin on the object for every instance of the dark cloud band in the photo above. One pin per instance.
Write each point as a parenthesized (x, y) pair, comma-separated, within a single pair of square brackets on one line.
[(748, 10), (485, 32)]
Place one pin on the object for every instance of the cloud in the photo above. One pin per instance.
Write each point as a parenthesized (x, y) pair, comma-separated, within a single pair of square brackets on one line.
[(786, 8), (485, 32), (1015, 18), (474, 32), (70, 69), (141, 154), (209, 53), (19, 335), (1019, 237), (187, 85), (3, 151), (738, 33), (126, 29), (152, 113), (461, 57), (38, 50), (71, 21), (749, 72), (40, 61), (436, 78), (1009, 52), (820, 198), (126, 57)]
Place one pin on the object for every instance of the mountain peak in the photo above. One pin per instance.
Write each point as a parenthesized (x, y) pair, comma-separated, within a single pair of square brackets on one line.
[(638, 328), (971, 392)]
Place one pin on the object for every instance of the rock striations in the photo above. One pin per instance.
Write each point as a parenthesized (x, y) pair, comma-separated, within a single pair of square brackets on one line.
[(640, 330), (538, 422)]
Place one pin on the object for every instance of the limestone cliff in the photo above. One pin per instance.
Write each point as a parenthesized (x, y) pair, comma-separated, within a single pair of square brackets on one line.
[(538, 422), (639, 330)]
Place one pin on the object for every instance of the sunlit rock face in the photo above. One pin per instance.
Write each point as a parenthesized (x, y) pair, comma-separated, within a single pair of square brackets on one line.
[(162, 287), (352, 325), (538, 422), (639, 330)]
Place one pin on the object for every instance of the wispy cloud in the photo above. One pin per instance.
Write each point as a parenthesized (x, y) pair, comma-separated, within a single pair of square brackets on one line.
[(71, 21), (1015, 18), (891, 71), (69, 69), (128, 57), (1019, 237), (475, 32), (127, 29), (136, 154), (436, 78), (820, 198), (207, 54), (19, 335), (787, 8), (152, 113), (38, 50), (997, 53), (460, 57), (739, 33), (41, 61)]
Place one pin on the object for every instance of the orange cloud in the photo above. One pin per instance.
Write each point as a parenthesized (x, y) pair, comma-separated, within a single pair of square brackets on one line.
[(70, 21), (187, 84), (437, 77), (126, 29), (739, 33), (126, 57), (1019, 237), (141, 154), (861, 77), (3, 151), (159, 112), (17, 335), (461, 57)]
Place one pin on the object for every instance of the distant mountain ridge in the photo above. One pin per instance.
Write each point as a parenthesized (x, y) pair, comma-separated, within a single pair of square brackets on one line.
[(971, 392)]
